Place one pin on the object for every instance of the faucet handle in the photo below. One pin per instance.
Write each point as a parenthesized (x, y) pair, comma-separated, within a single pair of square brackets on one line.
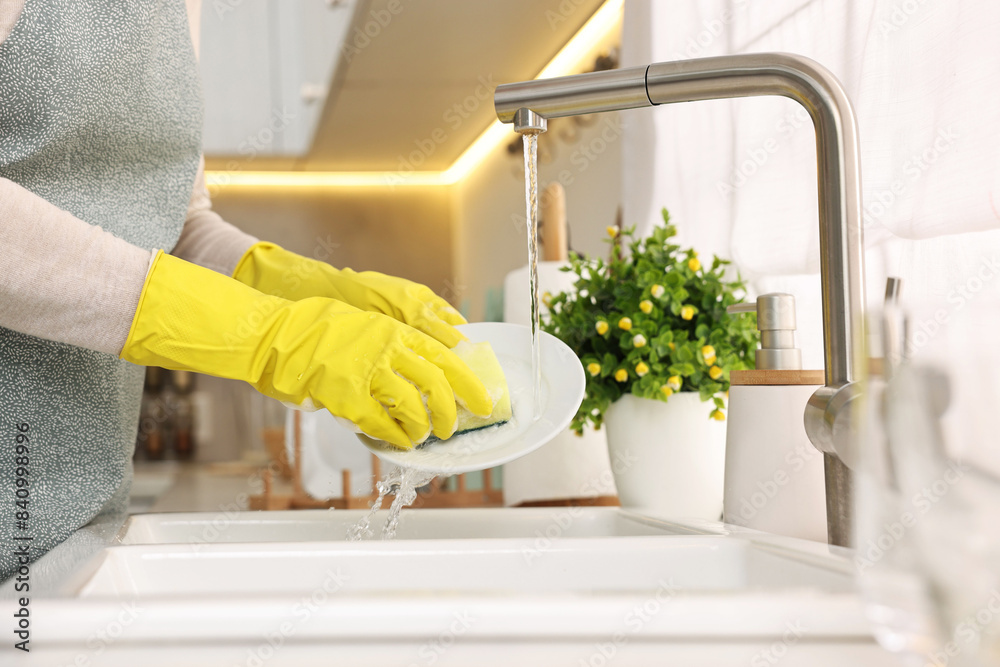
[(893, 329), (893, 286)]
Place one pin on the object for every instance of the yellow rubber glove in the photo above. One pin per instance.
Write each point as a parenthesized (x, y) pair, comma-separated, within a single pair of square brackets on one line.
[(364, 367), (274, 270)]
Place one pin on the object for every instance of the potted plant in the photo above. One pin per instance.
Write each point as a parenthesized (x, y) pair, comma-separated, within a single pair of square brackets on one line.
[(651, 328)]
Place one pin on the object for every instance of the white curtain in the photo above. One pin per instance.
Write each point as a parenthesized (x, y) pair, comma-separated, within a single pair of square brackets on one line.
[(739, 177)]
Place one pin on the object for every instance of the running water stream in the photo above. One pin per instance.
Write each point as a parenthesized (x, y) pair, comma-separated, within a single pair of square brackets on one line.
[(405, 481), (531, 204)]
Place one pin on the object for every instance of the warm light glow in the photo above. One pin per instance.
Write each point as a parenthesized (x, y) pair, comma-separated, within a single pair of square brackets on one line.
[(569, 58), (594, 31), (322, 179), (496, 134), (567, 61)]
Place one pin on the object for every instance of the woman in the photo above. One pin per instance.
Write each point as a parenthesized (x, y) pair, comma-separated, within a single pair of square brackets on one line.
[(100, 178)]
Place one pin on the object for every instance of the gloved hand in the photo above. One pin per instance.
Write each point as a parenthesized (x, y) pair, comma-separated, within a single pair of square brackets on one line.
[(274, 270), (362, 366)]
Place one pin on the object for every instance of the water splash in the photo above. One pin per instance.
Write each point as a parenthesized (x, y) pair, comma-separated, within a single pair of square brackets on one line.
[(403, 482)]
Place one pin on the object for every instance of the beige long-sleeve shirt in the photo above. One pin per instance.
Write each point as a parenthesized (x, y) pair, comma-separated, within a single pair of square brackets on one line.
[(66, 280)]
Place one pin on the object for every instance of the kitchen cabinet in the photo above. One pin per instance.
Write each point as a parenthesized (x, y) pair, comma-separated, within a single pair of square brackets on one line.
[(267, 67)]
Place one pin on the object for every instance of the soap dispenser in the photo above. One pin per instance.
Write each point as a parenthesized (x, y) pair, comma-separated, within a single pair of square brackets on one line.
[(774, 478)]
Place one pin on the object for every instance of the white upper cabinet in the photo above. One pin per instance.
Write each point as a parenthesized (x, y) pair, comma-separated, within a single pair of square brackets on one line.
[(266, 68)]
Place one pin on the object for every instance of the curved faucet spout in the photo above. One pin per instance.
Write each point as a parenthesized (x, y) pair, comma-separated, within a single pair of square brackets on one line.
[(839, 179)]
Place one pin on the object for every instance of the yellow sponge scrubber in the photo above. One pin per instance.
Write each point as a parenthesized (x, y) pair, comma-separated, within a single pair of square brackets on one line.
[(481, 359)]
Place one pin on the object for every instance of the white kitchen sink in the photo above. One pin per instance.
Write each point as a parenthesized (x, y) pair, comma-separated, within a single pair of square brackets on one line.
[(445, 551), (549, 585), (444, 567), (431, 524)]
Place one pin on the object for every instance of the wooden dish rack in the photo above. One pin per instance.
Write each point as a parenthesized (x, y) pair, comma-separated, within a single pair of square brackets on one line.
[(434, 495)]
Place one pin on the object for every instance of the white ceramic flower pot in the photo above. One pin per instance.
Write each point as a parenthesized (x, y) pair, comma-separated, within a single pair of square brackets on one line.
[(668, 458)]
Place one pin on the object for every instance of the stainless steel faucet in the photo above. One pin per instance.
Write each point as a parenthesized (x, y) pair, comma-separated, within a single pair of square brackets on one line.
[(828, 416)]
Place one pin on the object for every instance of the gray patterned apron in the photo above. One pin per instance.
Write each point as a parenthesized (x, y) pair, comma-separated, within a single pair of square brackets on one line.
[(100, 114)]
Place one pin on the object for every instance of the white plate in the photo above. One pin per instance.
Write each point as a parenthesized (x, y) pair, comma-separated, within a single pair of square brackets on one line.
[(562, 392)]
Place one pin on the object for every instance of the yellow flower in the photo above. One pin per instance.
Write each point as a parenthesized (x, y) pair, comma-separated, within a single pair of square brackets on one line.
[(718, 415), (715, 372), (671, 346), (667, 391), (621, 375), (641, 368), (547, 299), (625, 323), (656, 291), (639, 340), (593, 368), (646, 306), (602, 327), (708, 352), (612, 231), (687, 312), (694, 264), (674, 382)]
